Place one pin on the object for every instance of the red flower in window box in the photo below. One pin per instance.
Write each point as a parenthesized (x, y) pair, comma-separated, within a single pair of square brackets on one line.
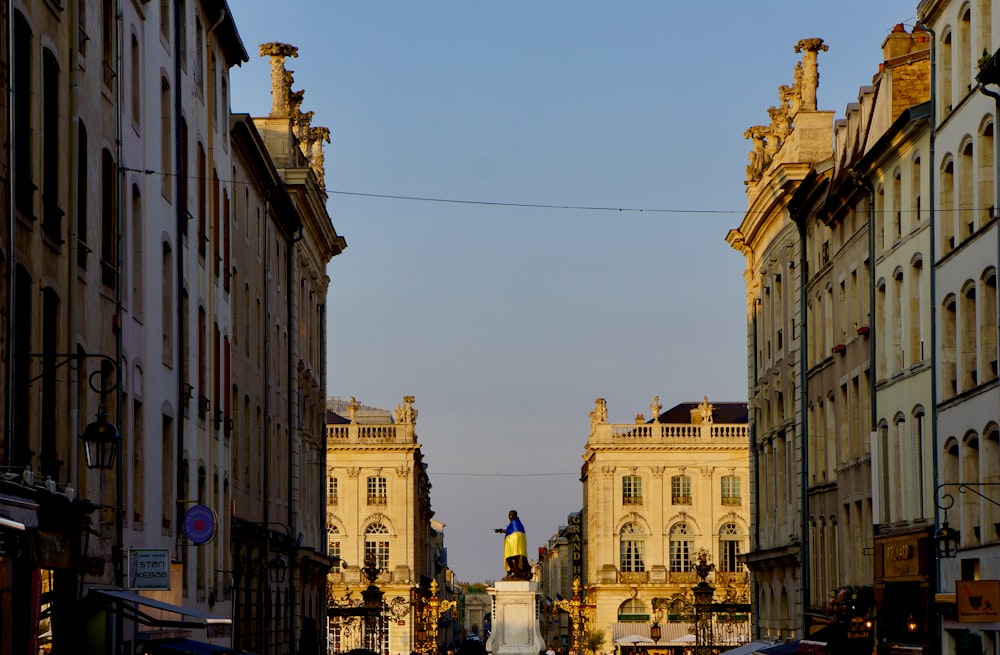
[(839, 349), (863, 330)]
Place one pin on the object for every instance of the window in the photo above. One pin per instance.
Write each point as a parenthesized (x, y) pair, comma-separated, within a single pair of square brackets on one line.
[(108, 28), (377, 490), (945, 68), (633, 610), (167, 304), (631, 490), (731, 490), (164, 19), (109, 209), (331, 490), (985, 173), (729, 548), (199, 61), (949, 327), (680, 490), (135, 78), (967, 337), (166, 138), (333, 544), (24, 190), (966, 208), (632, 548), (947, 203), (988, 325), (680, 549), (52, 214), (377, 545), (137, 258), (81, 196), (202, 199)]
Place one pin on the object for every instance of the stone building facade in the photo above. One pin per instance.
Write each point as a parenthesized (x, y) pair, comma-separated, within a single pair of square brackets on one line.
[(655, 493), (894, 268), (770, 241), (378, 513), (126, 299), (965, 247)]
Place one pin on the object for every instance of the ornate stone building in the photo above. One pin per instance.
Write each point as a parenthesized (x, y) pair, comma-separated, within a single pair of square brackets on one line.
[(866, 461), (127, 299), (655, 493), (965, 255), (559, 563), (378, 512), (768, 238)]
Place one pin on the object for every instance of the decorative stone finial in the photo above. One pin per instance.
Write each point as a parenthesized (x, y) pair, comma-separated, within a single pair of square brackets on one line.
[(810, 71), (281, 79), (317, 136)]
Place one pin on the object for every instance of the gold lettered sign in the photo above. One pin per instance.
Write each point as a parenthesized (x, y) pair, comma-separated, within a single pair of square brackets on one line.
[(978, 600)]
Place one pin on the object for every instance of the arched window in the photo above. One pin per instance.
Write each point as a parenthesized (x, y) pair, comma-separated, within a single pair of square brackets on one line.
[(969, 375), (730, 546), (333, 544), (966, 175), (945, 68), (166, 138), (949, 327), (985, 174), (377, 545), (988, 325), (633, 610), (971, 514), (914, 331), (964, 47), (632, 548), (947, 201), (52, 213), (680, 548)]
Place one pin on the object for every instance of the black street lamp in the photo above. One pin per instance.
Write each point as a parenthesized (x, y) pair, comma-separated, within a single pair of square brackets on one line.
[(276, 570), (947, 538), (102, 442)]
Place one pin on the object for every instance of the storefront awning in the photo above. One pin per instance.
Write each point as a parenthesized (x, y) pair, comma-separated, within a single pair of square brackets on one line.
[(19, 510), (134, 607), (184, 647), (749, 649), (780, 649)]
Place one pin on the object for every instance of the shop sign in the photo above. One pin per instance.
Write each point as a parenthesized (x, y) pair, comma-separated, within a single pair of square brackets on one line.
[(978, 601), (149, 569), (199, 524), (899, 558)]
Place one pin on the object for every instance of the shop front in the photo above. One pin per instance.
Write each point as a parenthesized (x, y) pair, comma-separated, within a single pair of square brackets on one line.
[(904, 582)]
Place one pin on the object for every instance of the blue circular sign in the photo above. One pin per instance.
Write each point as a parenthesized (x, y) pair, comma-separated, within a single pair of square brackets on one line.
[(199, 524)]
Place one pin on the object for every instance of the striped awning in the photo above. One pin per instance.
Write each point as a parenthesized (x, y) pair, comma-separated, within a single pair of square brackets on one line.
[(669, 632)]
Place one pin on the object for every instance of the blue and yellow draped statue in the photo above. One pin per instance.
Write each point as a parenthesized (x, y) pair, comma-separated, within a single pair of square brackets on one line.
[(515, 549)]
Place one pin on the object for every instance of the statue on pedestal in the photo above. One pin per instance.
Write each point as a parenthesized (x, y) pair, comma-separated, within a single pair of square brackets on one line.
[(515, 549)]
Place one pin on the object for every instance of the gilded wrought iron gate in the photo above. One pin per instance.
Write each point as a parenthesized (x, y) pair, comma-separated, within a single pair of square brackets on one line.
[(719, 625)]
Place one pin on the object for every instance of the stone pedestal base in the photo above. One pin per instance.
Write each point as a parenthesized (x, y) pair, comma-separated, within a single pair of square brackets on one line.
[(515, 619)]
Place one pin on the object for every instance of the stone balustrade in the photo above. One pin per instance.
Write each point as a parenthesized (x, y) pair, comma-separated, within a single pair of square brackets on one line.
[(367, 434), (670, 433)]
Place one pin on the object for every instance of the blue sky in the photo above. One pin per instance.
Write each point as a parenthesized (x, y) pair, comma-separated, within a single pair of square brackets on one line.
[(506, 322)]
